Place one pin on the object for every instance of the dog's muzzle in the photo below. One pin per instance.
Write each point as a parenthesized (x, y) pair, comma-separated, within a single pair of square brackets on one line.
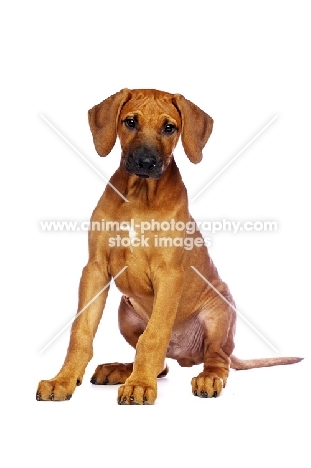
[(144, 162)]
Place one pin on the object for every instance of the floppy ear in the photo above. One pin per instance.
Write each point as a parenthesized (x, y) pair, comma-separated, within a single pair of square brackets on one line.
[(103, 119), (196, 127)]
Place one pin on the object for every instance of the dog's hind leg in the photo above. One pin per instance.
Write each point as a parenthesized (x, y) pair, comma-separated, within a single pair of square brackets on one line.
[(131, 326)]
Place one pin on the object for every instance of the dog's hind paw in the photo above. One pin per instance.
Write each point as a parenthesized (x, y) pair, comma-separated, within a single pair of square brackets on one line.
[(111, 374)]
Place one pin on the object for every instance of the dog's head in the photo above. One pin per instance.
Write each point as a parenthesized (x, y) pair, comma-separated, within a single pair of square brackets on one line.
[(149, 123)]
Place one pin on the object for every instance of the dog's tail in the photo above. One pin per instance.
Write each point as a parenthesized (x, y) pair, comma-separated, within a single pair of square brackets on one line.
[(243, 364)]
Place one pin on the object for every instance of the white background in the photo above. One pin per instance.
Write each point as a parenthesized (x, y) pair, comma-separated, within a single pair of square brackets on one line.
[(243, 63)]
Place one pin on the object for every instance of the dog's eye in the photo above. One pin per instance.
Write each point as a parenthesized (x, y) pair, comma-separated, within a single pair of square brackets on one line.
[(169, 128), (130, 123)]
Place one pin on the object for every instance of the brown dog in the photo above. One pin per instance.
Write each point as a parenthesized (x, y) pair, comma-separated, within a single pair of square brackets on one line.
[(166, 309)]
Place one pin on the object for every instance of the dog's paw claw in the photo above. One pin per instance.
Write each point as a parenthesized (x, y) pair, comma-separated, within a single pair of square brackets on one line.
[(38, 396)]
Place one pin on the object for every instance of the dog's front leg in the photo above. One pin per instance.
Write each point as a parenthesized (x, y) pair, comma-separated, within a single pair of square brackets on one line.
[(141, 387), (94, 279)]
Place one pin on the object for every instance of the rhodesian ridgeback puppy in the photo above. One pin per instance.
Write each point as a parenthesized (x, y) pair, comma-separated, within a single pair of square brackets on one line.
[(167, 309)]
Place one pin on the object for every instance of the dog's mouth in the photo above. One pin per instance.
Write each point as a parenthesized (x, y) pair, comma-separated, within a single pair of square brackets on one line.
[(142, 175), (154, 176)]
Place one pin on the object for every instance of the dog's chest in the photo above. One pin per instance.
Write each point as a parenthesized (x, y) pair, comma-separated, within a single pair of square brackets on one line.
[(129, 252)]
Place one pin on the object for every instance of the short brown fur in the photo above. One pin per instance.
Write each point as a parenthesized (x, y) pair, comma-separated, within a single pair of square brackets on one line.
[(167, 309)]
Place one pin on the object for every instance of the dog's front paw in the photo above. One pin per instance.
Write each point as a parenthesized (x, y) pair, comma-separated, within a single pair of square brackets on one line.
[(139, 394), (207, 385), (57, 389)]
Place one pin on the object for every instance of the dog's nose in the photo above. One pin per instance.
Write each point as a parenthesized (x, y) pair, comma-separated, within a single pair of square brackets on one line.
[(144, 161), (145, 164)]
